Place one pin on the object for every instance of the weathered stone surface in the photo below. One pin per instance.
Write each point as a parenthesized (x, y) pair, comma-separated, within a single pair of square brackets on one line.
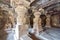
[(15, 3), (48, 25), (50, 34), (22, 20), (6, 21), (37, 22), (21, 10), (25, 37)]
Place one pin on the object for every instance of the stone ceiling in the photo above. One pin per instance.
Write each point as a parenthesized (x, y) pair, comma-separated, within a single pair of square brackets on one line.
[(5, 1), (43, 3)]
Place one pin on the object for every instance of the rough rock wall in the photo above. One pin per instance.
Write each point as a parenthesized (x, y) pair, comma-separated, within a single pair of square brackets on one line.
[(6, 20)]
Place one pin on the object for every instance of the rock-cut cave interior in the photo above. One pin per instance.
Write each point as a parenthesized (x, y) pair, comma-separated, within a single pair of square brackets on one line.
[(29, 19)]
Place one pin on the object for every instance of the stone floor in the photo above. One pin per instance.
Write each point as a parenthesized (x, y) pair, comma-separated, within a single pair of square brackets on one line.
[(25, 37), (7, 34), (50, 34)]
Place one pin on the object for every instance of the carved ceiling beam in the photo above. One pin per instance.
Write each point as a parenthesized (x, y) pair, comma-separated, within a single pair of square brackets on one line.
[(37, 4)]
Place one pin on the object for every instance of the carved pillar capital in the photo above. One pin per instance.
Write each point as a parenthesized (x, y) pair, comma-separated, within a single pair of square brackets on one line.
[(15, 3)]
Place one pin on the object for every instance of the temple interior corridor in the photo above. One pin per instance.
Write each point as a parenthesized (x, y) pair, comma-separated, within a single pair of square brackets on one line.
[(29, 19)]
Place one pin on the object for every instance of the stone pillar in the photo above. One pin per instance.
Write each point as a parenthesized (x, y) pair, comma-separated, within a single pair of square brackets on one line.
[(48, 25), (37, 23), (22, 25), (20, 7)]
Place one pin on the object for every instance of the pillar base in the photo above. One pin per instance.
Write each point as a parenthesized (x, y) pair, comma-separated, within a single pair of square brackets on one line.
[(25, 37), (48, 26)]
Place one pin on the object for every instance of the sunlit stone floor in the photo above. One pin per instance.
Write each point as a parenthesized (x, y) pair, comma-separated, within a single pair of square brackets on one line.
[(10, 35), (7, 34), (50, 34)]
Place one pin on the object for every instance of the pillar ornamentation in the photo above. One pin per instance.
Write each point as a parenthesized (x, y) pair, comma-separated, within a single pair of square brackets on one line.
[(37, 23), (22, 20)]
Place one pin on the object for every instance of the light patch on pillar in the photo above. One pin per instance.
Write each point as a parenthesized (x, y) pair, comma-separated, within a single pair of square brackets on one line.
[(16, 36)]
